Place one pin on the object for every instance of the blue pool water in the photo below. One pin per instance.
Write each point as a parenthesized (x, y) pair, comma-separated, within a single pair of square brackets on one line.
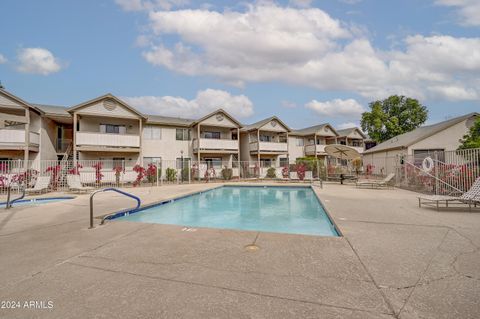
[(36, 201), (294, 210)]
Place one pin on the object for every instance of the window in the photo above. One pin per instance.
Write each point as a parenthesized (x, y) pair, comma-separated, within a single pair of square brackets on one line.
[(265, 138), (186, 162), (151, 132), (265, 162), (150, 160), (234, 136), (283, 161), (212, 135), (215, 162), (113, 129), (299, 141), (182, 134)]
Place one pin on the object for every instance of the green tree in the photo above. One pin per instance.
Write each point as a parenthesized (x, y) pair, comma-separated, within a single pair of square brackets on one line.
[(472, 139), (393, 116)]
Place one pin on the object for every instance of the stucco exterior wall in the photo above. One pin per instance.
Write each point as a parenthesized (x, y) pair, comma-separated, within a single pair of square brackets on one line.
[(294, 150), (92, 124), (48, 134), (168, 148)]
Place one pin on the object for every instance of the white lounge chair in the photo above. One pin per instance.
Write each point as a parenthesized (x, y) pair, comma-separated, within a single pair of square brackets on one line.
[(470, 198), (41, 185), (75, 185), (386, 182)]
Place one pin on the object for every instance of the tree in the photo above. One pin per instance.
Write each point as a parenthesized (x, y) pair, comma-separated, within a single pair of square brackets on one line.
[(393, 116), (472, 139)]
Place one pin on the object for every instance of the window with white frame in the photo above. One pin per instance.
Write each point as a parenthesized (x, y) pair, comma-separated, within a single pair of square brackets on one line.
[(299, 141), (182, 134), (152, 132)]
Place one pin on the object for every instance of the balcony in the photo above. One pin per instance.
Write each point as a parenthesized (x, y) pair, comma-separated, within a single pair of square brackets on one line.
[(216, 145), (310, 149), (269, 147), (10, 137), (107, 140)]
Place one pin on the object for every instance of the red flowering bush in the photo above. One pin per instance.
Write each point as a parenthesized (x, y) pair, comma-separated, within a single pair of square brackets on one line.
[(151, 173), (140, 174), (118, 170), (55, 175), (301, 169), (285, 171), (98, 172), (75, 170)]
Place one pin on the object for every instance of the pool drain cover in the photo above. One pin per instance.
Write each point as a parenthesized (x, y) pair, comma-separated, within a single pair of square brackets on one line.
[(252, 247)]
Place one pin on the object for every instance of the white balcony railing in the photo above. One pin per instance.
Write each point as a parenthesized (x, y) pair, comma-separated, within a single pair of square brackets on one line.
[(8, 136), (216, 144), (103, 139), (310, 149), (269, 147)]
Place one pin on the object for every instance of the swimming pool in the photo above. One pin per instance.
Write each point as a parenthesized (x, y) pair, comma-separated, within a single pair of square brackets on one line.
[(294, 210), (37, 201)]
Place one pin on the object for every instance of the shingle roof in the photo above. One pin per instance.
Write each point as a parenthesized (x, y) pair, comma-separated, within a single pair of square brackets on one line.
[(157, 119), (410, 138), (53, 109), (312, 129), (348, 131), (259, 124)]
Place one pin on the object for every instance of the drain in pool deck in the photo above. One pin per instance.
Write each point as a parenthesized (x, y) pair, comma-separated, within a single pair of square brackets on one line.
[(252, 247)]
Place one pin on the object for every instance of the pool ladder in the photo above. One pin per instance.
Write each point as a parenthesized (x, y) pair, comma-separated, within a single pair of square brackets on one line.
[(107, 190), (8, 203)]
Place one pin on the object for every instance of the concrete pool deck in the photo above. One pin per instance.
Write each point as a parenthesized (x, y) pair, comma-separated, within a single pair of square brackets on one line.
[(394, 261)]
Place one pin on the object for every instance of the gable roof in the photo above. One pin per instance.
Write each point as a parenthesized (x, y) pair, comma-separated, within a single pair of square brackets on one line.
[(313, 129), (412, 137), (348, 131), (259, 124), (20, 101), (167, 120), (55, 110), (105, 96), (215, 112)]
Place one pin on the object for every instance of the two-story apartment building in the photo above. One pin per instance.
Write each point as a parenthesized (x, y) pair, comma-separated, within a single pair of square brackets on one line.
[(311, 141), (107, 128)]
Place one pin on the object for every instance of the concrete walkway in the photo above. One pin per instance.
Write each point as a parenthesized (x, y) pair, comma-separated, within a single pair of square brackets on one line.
[(394, 261)]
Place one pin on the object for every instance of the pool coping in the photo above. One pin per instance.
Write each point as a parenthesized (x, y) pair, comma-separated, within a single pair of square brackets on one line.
[(128, 211), (40, 199)]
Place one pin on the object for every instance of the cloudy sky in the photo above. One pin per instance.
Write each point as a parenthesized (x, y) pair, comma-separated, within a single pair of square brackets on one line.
[(307, 61)]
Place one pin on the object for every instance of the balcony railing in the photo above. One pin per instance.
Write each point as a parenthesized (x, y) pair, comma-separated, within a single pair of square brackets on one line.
[(10, 137), (269, 146), (216, 144), (310, 149), (105, 139)]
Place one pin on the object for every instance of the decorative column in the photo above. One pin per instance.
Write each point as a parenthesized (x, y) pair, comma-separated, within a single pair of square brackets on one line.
[(198, 150), (27, 138), (74, 138), (140, 131)]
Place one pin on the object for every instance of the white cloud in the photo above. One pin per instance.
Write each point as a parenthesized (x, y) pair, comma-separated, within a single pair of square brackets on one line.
[(468, 10), (337, 108), (146, 5), (37, 61), (346, 125), (205, 102), (267, 42), (3, 59)]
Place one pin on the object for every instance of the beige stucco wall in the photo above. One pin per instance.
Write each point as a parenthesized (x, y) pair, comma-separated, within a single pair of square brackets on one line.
[(447, 140), (48, 134), (294, 150), (213, 121), (98, 108), (269, 127), (383, 162), (168, 148), (92, 124)]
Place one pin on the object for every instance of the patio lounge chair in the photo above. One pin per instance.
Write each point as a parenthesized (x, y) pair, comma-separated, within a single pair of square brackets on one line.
[(470, 198), (41, 185), (386, 182), (75, 185)]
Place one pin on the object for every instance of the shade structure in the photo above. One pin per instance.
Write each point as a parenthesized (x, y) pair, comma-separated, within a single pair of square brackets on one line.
[(342, 152)]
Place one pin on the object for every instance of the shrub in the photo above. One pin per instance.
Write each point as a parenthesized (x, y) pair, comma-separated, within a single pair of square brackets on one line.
[(55, 171), (151, 173), (171, 174), (285, 171), (271, 173), (301, 168), (98, 172), (75, 170), (118, 170), (227, 173), (140, 174)]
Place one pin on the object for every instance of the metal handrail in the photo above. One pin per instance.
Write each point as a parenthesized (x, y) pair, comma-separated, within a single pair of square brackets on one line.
[(434, 177), (113, 190), (9, 202)]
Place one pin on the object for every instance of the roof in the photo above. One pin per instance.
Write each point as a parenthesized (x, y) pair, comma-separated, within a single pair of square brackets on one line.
[(313, 129), (215, 112), (19, 100), (259, 124), (166, 120), (109, 96), (410, 138), (348, 131), (53, 110)]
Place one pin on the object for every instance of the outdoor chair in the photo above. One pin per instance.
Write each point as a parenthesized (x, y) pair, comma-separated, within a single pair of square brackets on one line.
[(41, 185), (75, 185), (386, 182), (470, 198)]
